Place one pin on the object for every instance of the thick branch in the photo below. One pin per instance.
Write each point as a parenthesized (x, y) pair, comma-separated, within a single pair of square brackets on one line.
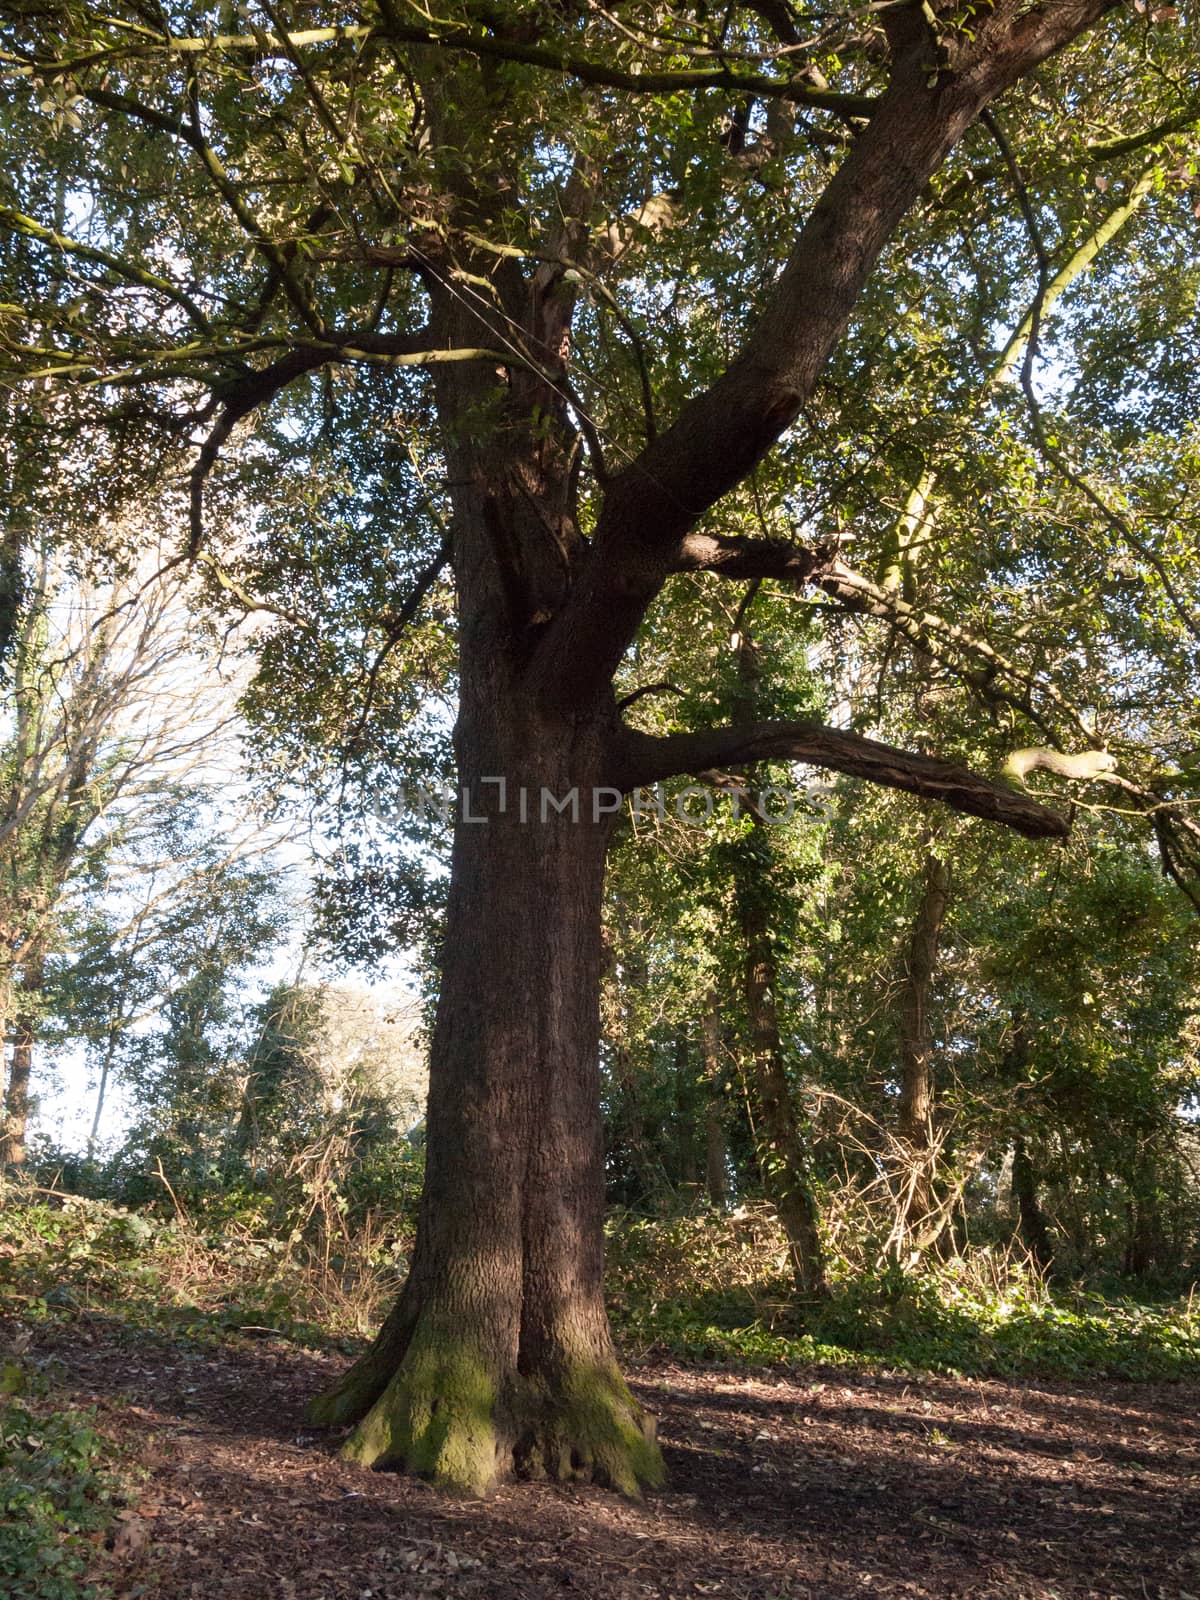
[(245, 395), (723, 432), (731, 557), (16, 222), (644, 759), (467, 41)]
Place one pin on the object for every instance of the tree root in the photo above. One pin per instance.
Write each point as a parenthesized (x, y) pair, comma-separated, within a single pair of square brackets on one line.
[(588, 1428), (448, 1415)]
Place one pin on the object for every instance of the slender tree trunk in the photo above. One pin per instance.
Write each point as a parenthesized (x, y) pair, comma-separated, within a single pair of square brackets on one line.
[(633, 1122), (916, 1111), (101, 1091), (640, 1132), (686, 1142), (716, 1137), (1034, 1229), (782, 1147), (1145, 1238)]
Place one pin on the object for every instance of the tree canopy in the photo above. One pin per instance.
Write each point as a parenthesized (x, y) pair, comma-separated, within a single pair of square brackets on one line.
[(674, 392)]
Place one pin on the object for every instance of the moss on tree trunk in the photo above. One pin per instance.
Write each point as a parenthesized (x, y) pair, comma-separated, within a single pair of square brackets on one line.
[(498, 1359)]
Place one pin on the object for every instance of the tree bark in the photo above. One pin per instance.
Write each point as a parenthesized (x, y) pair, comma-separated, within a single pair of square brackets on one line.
[(16, 1095), (498, 1356), (781, 1145), (686, 1143), (915, 1118), (1032, 1218), (20, 1067), (1144, 1241), (716, 1137)]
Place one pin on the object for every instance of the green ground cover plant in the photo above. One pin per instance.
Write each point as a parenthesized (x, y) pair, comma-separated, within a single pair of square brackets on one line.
[(60, 1491)]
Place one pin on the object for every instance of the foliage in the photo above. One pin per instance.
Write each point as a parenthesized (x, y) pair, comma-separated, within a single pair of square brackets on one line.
[(337, 232), (700, 1286), (59, 1492), (68, 1256), (710, 1288)]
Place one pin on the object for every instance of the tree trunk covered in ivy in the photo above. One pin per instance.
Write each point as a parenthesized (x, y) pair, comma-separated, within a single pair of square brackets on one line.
[(781, 1141), (13, 1133), (915, 1119)]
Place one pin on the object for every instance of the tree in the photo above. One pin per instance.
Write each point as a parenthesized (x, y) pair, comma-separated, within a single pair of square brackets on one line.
[(179, 866), (449, 198), (113, 720)]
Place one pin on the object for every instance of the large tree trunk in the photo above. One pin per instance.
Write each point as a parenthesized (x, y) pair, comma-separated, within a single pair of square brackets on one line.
[(498, 1356), (916, 1111)]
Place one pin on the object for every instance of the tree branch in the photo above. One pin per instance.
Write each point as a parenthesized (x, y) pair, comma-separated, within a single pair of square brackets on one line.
[(245, 395), (730, 556), (464, 40), (644, 759), (396, 624), (722, 433), (16, 222)]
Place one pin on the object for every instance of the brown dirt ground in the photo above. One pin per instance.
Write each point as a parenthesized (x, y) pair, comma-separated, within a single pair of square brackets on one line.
[(782, 1487)]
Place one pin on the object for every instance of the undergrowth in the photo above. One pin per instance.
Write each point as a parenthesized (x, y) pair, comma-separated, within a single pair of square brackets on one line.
[(701, 1286), (716, 1288), (63, 1255), (59, 1491)]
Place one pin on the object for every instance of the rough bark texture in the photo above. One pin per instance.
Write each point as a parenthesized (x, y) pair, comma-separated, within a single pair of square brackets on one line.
[(498, 1355), (20, 1066), (16, 1094)]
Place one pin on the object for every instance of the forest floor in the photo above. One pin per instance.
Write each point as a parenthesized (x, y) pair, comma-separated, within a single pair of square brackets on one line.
[(782, 1485)]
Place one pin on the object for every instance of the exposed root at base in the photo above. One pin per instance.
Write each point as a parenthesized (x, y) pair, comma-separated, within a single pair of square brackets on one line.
[(589, 1428), (446, 1417), (437, 1418), (353, 1396)]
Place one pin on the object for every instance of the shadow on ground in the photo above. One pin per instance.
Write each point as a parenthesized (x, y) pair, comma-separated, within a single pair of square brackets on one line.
[(781, 1487)]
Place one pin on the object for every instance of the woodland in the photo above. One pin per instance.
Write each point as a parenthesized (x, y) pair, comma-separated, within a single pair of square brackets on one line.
[(599, 765)]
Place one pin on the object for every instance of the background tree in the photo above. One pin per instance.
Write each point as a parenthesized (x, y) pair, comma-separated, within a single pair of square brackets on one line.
[(112, 710)]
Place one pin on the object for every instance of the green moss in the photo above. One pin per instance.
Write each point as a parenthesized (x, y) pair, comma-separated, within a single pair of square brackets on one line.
[(436, 1418), (345, 1403), (589, 1427), (445, 1416)]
